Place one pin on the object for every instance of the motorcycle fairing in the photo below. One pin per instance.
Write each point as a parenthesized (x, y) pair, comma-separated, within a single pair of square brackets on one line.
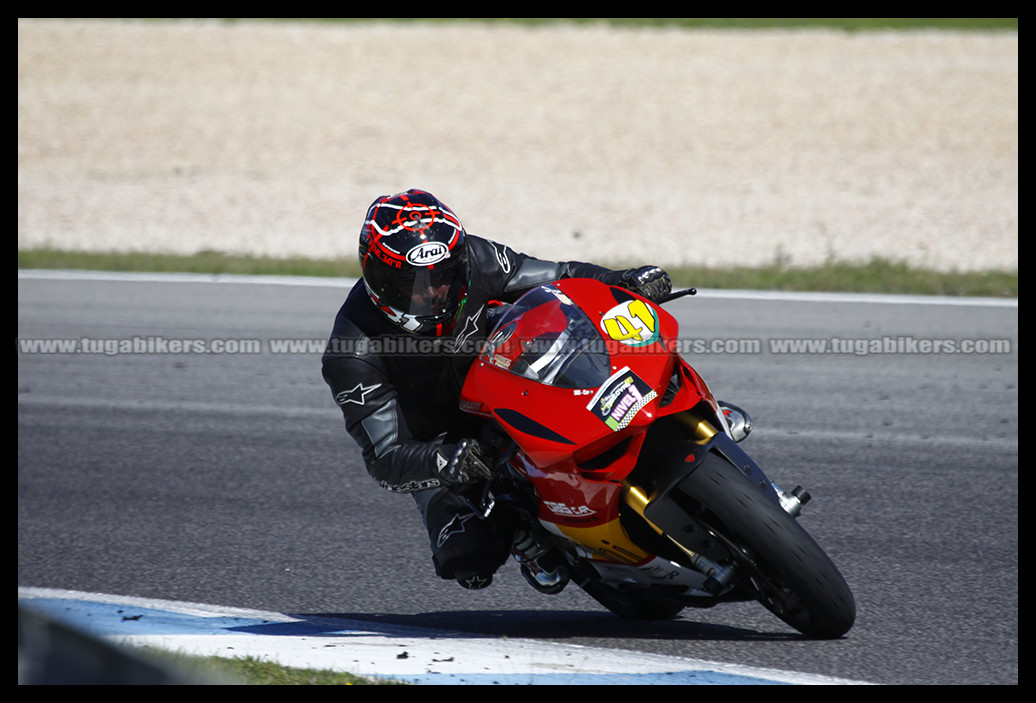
[(625, 460), (577, 397), (568, 392)]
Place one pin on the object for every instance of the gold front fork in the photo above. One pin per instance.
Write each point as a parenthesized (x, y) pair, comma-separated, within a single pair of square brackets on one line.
[(702, 431)]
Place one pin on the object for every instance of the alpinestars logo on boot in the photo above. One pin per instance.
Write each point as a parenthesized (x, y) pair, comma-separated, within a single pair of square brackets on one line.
[(453, 527)]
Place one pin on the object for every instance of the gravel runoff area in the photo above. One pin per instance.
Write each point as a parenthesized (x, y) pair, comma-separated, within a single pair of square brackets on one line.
[(620, 146)]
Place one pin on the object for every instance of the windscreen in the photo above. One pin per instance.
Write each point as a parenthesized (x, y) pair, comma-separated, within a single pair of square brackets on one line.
[(546, 338)]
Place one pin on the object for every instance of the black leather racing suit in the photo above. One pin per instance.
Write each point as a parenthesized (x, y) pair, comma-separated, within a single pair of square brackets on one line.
[(399, 392)]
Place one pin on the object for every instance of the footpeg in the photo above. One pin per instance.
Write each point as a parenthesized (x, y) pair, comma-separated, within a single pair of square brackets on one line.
[(546, 582), (541, 566)]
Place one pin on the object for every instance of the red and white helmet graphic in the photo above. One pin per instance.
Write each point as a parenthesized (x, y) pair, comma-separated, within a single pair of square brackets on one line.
[(413, 250)]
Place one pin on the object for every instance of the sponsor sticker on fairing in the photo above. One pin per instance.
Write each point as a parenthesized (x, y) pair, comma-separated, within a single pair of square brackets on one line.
[(620, 398)]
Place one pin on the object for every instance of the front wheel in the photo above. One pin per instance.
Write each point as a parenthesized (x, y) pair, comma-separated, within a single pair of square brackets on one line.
[(776, 558)]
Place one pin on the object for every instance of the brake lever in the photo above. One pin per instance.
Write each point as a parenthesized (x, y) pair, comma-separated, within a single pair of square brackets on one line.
[(676, 294)]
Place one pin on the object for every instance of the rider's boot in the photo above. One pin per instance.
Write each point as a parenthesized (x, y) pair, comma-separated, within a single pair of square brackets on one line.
[(737, 419)]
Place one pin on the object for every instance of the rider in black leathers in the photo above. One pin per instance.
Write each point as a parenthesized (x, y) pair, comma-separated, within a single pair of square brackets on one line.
[(400, 348)]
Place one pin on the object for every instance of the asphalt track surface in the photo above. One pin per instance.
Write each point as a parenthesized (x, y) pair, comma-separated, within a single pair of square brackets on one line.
[(228, 478)]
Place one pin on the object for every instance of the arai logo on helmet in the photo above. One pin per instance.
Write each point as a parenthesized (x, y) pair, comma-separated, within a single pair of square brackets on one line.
[(428, 253)]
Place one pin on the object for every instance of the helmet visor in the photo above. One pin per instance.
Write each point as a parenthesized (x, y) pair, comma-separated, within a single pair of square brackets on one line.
[(424, 291)]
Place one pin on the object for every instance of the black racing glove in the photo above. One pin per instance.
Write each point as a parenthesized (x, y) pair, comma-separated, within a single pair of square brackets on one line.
[(649, 281), (468, 461)]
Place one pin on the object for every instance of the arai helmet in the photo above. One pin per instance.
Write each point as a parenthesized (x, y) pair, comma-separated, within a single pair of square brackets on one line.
[(414, 254)]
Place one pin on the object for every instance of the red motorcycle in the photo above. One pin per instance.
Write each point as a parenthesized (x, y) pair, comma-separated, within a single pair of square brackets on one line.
[(624, 474)]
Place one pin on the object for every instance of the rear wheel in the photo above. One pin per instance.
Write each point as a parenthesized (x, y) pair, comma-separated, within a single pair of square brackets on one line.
[(776, 559)]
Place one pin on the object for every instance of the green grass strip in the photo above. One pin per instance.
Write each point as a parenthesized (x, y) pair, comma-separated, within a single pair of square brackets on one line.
[(248, 671), (876, 276), (256, 672)]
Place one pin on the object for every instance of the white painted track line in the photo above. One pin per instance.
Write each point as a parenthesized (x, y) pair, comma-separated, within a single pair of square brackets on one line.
[(862, 298), (429, 657)]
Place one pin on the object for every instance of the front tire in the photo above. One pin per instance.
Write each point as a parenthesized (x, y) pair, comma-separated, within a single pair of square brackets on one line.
[(776, 558)]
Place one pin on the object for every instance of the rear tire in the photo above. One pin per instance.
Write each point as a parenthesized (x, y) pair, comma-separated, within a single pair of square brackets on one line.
[(777, 560)]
